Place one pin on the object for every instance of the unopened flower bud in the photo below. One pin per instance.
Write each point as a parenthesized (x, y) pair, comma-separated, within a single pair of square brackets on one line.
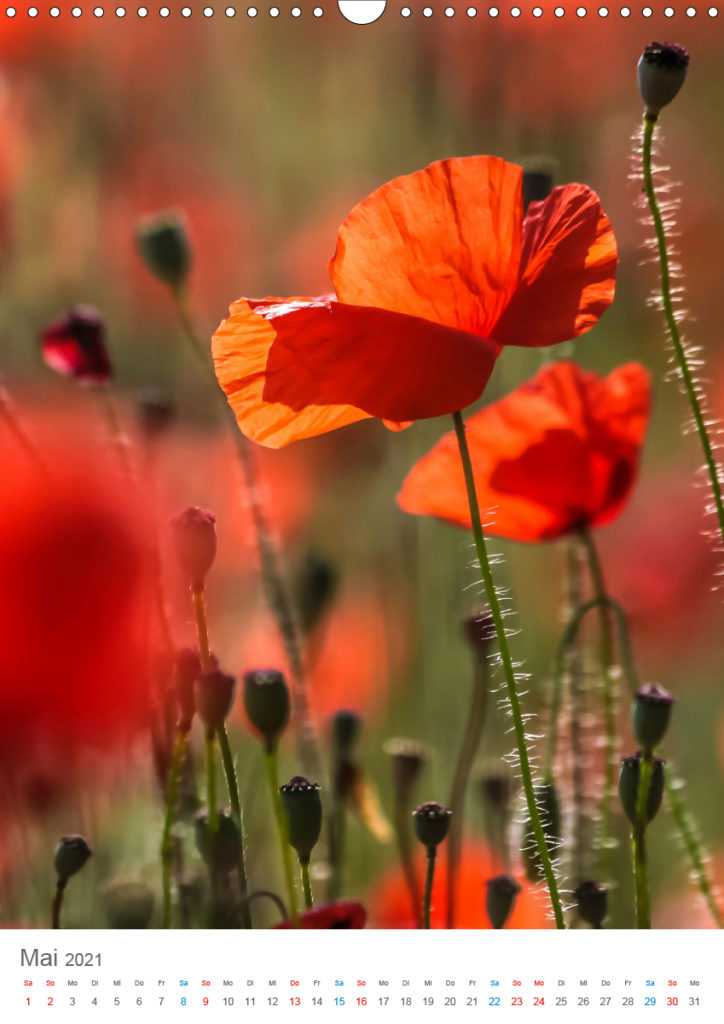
[(432, 822), (128, 904), (187, 669), (346, 727), (314, 589), (592, 900), (302, 804), (503, 891), (628, 787), (408, 760), (193, 533), (214, 695), (71, 854), (480, 632), (222, 849), (550, 819), (266, 701), (538, 179), (662, 70), (155, 412), (651, 715), (496, 787), (75, 346), (164, 247)]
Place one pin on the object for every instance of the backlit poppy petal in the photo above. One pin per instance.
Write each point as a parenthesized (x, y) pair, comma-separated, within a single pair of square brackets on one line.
[(298, 367), (568, 270), (443, 243), (558, 453)]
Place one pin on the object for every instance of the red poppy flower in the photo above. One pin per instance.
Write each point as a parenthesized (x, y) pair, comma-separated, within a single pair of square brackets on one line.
[(75, 346), (558, 454), (433, 273), (332, 915)]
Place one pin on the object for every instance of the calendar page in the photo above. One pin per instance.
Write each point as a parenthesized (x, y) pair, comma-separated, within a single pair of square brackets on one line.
[(361, 511)]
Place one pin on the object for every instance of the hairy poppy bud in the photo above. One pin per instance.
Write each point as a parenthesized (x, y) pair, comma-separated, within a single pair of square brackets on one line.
[(346, 727), (187, 669), (314, 589), (128, 904), (71, 854), (662, 70), (193, 532), (550, 819), (408, 760), (75, 346), (155, 412), (480, 632), (628, 786), (432, 822), (266, 701), (592, 900), (164, 247), (214, 694), (651, 715), (302, 804), (503, 891), (222, 850)]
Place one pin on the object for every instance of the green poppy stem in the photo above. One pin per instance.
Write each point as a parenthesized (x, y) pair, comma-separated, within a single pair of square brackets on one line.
[(174, 775), (57, 903), (306, 884), (271, 764), (402, 819), (508, 669), (233, 788), (211, 798), (640, 860), (429, 879)]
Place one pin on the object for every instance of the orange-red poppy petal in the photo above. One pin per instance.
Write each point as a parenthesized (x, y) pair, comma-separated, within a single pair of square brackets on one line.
[(295, 368), (568, 270), (443, 243)]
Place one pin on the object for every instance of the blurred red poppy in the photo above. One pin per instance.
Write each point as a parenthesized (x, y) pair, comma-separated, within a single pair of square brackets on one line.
[(332, 915), (559, 454), (390, 899), (433, 273)]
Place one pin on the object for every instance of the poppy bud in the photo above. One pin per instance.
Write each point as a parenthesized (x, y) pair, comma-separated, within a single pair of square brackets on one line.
[(503, 891), (550, 819), (480, 632), (303, 808), (75, 346), (496, 787), (408, 760), (538, 179), (214, 695), (662, 70), (225, 844), (432, 822), (651, 715), (155, 411), (628, 786), (164, 247), (71, 854), (346, 727), (187, 669), (266, 701), (592, 901), (193, 533), (314, 590), (128, 904)]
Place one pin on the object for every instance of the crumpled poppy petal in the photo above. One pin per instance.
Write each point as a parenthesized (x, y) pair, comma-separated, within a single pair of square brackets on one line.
[(443, 243), (567, 270), (299, 367), (559, 453)]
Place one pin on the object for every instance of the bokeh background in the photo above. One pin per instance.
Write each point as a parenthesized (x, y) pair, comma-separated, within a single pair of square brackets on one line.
[(264, 132)]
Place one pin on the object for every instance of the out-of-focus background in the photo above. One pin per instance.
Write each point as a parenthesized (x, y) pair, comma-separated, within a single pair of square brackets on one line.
[(264, 132)]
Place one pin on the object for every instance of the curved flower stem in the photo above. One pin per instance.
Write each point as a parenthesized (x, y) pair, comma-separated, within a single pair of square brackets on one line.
[(429, 878), (641, 867), (10, 417), (174, 774), (58, 902), (266, 894), (508, 669), (233, 788), (271, 765), (682, 360), (306, 884), (609, 698)]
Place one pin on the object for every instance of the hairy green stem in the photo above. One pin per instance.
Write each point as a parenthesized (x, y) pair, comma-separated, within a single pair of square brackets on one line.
[(233, 788), (174, 775), (271, 765)]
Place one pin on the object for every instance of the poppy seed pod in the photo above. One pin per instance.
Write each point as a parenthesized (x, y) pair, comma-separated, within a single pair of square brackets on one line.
[(193, 533), (550, 818), (220, 851), (266, 701), (651, 715), (75, 345), (187, 669), (432, 822), (164, 247), (214, 694), (302, 804), (480, 632), (314, 589), (628, 785), (662, 70), (592, 901), (128, 904), (408, 760), (71, 854), (155, 412), (502, 893), (346, 727)]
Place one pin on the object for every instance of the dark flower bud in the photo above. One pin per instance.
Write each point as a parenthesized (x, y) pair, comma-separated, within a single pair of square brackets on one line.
[(214, 695), (651, 715), (480, 632), (628, 787), (222, 849), (503, 891), (432, 822), (164, 247), (538, 179), (592, 900), (314, 589), (408, 760), (128, 904), (496, 787), (550, 819), (75, 346), (662, 70), (302, 804), (155, 412), (266, 701), (187, 669), (346, 727), (193, 533), (71, 854)]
